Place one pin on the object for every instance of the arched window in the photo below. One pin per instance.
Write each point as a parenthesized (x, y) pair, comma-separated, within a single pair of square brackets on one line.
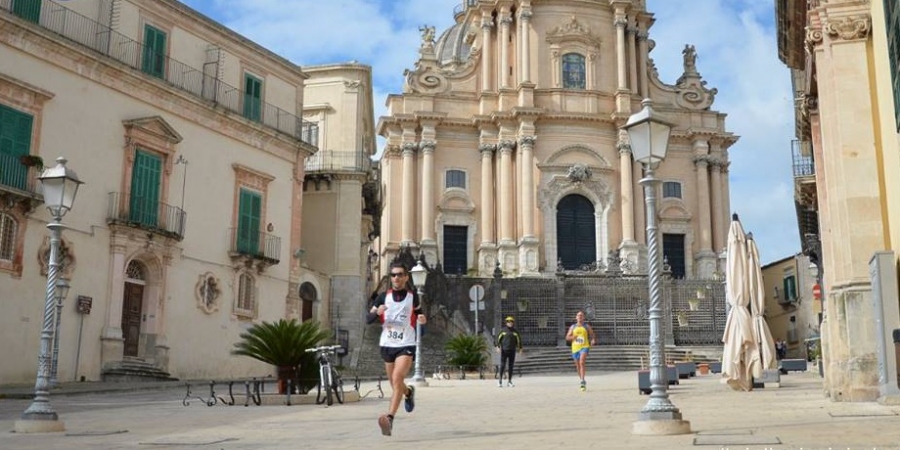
[(246, 295), (8, 229), (308, 296), (576, 231), (573, 71)]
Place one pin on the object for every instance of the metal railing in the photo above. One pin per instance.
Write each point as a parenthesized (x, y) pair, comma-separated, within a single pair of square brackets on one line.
[(145, 213), (338, 161), (461, 7), (103, 39), (255, 244), (15, 175), (804, 166)]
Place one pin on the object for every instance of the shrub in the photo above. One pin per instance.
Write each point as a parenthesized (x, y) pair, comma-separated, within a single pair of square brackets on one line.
[(467, 350), (283, 344)]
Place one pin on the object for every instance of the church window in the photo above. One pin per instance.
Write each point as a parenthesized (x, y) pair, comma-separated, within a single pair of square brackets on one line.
[(672, 189), (573, 70), (455, 179), (245, 304)]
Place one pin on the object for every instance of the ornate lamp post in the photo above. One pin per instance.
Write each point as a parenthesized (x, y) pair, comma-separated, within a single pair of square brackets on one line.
[(62, 290), (60, 184), (649, 136), (419, 275)]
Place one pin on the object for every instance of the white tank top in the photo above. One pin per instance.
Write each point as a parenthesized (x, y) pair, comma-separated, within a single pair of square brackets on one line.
[(398, 325)]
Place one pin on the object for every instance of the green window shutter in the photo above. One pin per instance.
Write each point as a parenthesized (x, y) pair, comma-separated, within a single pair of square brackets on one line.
[(790, 288), (153, 61), (252, 98), (15, 141), (249, 218), (145, 179), (29, 10)]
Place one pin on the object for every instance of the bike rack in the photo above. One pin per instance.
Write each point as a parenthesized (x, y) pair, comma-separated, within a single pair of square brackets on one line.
[(213, 399)]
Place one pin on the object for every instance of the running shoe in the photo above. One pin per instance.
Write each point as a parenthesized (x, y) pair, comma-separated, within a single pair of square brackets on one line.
[(510, 384), (583, 386), (410, 402), (386, 423)]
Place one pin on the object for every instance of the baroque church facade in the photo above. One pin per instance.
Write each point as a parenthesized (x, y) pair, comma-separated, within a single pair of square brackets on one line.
[(506, 145)]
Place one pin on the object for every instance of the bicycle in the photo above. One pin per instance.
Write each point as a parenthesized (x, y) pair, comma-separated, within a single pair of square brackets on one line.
[(331, 384)]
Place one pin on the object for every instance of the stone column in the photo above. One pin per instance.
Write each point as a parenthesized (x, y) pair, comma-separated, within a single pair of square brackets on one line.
[(487, 251), (643, 49), (112, 343), (407, 205), (503, 67), (623, 100), (718, 225), (506, 189), (525, 44), (427, 201), (627, 190), (528, 246), (632, 58), (486, 24), (705, 259)]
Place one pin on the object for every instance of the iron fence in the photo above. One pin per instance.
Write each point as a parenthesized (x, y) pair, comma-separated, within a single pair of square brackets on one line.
[(803, 162), (256, 244), (103, 39), (15, 175), (147, 213), (330, 160)]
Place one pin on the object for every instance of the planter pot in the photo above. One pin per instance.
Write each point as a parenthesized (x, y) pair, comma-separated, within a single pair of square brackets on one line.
[(284, 374)]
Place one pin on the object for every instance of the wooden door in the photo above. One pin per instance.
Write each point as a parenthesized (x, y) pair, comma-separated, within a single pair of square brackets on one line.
[(131, 317)]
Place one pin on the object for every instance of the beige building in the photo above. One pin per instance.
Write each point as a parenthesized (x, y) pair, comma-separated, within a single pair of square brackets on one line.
[(506, 145), (189, 139), (340, 201), (843, 58), (792, 311)]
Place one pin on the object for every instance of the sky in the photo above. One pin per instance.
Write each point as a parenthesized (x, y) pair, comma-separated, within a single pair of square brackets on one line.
[(737, 54)]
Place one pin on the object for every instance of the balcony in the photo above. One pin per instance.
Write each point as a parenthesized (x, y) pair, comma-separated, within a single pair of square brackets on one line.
[(19, 184), (253, 249), (150, 215), (104, 40), (338, 161), (803, 162)]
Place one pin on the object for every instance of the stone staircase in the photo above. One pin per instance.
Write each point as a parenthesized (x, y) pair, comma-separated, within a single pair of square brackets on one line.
[(134, 370), (608, 358)]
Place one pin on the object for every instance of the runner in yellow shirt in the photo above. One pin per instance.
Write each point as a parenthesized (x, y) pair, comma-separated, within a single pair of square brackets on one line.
[(582, 337)]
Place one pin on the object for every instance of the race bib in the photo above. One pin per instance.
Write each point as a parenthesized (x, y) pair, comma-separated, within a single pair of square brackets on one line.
[(579, 340), (394, 334)]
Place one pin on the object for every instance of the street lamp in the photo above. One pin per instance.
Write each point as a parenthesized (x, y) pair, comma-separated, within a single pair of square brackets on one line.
[(649, 136), (419, 275), (62, 290), (59, 184)]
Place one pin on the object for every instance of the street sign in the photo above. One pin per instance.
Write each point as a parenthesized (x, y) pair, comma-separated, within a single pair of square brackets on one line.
[(83, 304), (817, 292), (476, 293), (472, 306)]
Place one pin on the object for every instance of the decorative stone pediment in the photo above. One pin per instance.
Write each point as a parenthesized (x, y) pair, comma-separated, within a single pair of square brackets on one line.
[(456, 200), (426, 79), (674, 210), (154, 126), (691, 90), (576, 154), (849, 28), (572, 30), (207, 292)]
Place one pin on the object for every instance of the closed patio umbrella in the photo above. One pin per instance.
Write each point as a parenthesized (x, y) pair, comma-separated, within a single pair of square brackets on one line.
[(738, 336), (762, 337)]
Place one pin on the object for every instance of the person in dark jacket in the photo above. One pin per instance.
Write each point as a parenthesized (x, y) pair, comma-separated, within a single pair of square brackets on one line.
[(508, 344)]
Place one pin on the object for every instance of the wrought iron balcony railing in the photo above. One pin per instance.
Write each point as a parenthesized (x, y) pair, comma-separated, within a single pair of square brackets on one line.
[(338, 161), (15, 177), (148, 214), (255, 244), (803, 162), (103, 39)]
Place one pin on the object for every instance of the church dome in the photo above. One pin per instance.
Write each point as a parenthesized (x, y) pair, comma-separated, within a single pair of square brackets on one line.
[(453, 47)]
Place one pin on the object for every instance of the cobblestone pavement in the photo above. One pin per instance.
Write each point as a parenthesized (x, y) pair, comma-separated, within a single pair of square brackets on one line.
[(541, 412)]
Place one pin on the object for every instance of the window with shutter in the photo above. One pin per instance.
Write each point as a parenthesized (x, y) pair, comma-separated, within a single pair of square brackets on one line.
[(8, 228), (252, 98), (145, 180), (153, 61), (15, 142), (249, 218), (29, 10)]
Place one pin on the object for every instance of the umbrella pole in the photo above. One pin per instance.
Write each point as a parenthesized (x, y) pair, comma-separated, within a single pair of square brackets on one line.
[(659, 415)]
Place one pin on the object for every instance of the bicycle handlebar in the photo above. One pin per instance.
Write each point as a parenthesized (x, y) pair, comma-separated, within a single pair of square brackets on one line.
[(323, 348)]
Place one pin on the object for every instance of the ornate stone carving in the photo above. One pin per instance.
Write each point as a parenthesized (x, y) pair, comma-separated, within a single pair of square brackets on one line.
[(527, 141), (506, 145), (572, 31), (814, 37), (353, 85), (409, 147), (579, 173), (690, 58), (704, 160), (66, 257), (850, 28), (427, 37), (691, 90), (426, 80), (207, 293), (487, 148), (427, 146)]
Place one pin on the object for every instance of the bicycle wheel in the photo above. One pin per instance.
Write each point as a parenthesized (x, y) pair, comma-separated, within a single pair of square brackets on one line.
[(322, 390), (326, 381), (338, 385)]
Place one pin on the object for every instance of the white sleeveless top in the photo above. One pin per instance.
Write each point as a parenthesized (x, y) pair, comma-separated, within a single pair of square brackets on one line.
[(398, 322)]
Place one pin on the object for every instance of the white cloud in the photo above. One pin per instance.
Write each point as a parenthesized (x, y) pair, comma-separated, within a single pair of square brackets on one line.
[(735, 41)]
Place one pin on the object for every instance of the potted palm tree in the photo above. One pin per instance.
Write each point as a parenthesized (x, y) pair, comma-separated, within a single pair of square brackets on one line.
[(283, 344), (469, 352)]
